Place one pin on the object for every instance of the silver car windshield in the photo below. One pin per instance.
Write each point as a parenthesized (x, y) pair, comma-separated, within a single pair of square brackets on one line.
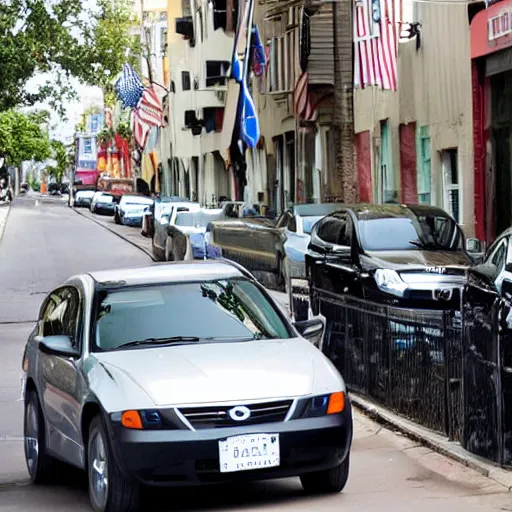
[(211, 311)]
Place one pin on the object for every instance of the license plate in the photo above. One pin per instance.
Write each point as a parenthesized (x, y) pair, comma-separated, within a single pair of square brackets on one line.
[(243, 453)]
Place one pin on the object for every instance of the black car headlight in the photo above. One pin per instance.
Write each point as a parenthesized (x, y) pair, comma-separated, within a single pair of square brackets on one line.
[(318, 406), (389, 281)]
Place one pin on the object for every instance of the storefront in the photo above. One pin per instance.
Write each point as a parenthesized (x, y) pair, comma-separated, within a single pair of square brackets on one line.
[(491, 54)]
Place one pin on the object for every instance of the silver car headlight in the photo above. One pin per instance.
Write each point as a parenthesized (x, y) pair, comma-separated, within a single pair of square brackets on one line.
[(390, 282)]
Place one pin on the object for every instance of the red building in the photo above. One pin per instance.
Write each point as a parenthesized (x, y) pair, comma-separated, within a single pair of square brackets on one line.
[(491, 56)]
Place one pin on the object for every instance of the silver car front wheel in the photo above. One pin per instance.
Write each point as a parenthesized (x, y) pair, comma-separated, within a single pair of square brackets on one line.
[(109, 489), (41, 467)]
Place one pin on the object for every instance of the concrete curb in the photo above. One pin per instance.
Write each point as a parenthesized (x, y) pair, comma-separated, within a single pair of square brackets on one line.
[(3, 221), (112, 230), (433, 440)]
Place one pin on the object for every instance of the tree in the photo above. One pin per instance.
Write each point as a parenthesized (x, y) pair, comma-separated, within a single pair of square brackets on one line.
[(61, 157), (23, 137), (66, 37)]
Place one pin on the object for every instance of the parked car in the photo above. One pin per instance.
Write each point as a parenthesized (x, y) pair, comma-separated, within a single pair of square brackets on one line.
[(122, 381), (269, 245), (83, 198), (487, 353), (130, 210), (413, 256), (103, 204), (186, 236), (156, 222), (54, 189)]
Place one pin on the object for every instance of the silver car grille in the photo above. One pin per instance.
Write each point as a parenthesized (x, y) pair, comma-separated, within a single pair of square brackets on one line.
[(218, 416)]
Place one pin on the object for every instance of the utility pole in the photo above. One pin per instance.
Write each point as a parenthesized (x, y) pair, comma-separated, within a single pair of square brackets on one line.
[(342, 183)]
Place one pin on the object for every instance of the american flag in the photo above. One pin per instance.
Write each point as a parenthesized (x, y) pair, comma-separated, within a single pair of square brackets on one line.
[(303, 107), (375, 44), (148, 113), (129, 87)]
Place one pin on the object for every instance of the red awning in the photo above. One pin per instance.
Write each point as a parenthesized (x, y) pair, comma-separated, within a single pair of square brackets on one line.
[(86, 176), (491, 29)]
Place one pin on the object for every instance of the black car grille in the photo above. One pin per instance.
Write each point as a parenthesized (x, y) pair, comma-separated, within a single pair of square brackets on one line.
[(218, 416)]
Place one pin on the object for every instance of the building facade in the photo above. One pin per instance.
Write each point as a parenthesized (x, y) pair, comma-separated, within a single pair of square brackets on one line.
[(415, 144), (200, 47), (491, 60), (294, 97)]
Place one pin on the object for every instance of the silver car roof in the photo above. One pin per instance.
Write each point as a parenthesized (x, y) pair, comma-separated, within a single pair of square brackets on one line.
[(174, 272)]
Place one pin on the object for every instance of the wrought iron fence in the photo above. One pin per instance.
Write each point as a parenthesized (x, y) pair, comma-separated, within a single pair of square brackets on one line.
[(450, 371), (395, 356)]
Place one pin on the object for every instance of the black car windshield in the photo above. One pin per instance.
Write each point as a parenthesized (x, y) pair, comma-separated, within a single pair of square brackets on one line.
[(212, 311), (423, 232)]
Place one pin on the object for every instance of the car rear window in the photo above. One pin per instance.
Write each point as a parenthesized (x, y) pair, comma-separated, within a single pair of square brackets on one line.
[(214, 311)]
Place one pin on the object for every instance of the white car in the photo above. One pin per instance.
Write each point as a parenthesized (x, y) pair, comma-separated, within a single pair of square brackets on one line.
[(179, 374)]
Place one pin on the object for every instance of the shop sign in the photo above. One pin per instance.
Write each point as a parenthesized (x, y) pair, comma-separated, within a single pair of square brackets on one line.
[(501, 24)]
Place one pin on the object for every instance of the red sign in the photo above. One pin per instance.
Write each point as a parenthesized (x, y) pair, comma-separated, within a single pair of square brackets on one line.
[(491, 29), (116, 186)]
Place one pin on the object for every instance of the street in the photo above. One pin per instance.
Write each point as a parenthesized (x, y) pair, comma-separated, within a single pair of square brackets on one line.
[(45, 242)]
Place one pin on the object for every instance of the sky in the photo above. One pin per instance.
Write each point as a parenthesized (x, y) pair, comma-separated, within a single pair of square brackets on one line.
[(64, 129)]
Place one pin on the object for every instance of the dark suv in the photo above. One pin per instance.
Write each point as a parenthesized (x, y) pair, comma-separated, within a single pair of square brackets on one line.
[(412, 256)]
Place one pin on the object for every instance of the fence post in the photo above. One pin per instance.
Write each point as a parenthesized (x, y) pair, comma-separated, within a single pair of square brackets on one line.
[(499, 391), (345, 339), (447, 399), (389, 343)]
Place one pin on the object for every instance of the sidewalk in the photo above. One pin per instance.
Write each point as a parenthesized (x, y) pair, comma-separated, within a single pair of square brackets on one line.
[(432, 440), (4, 214)]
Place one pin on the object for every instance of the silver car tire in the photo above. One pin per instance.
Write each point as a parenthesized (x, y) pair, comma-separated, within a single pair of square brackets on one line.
[(41, 467), (109, 490), (329, 481)]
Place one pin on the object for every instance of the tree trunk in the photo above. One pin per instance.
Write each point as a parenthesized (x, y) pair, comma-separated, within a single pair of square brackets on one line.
[(343, 182)]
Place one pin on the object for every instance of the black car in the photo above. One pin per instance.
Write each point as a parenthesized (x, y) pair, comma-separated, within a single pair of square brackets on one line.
[(403, 255)]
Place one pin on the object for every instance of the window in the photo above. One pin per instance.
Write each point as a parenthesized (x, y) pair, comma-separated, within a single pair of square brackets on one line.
[(424, 168), (498, 256), (309, 222), (216, 72), (287, 220), (185, 81), (231, 310), (388, 192), (60, 315), (282, 221), (400, 233), (335, 230), (284, 49), (163, 40), (225, 14), (87, 146), (451, 184), (185, 6)]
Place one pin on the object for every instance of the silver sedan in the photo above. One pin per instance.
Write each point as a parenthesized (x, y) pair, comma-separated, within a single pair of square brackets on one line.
[(179, 374)]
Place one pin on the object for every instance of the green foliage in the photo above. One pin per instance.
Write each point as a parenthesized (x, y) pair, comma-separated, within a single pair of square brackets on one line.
[(23, 137), (105, 137), (60, 155), (33, 183), (67, 38), (124, 131)]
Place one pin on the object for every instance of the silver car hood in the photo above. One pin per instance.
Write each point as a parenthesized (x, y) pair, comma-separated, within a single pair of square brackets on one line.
[(221, 372)]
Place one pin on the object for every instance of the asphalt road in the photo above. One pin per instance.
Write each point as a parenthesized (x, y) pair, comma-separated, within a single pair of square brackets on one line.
[(45, 242)]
